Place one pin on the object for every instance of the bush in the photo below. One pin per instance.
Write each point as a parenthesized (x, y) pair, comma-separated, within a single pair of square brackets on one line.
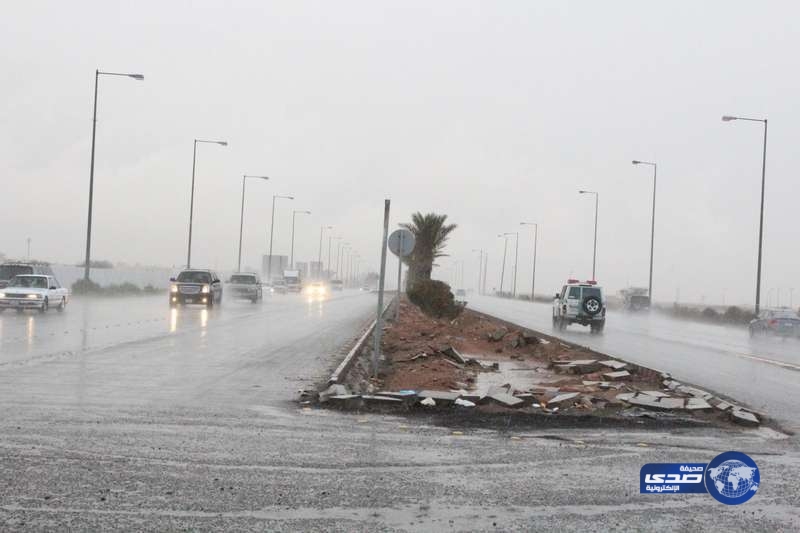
[(86, 286), (434, 298)]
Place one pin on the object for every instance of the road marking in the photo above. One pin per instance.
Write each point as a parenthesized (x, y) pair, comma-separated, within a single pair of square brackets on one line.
[(768, 361)]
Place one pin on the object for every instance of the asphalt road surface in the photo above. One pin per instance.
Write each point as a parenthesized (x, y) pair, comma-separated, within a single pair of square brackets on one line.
[(764, 373), (122, 415)]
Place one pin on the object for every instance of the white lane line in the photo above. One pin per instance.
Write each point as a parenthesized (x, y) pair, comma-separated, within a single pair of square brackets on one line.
[(768, 361)]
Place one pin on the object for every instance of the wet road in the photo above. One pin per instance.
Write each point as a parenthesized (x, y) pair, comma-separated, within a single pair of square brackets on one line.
[(120, 415), (763, 373)]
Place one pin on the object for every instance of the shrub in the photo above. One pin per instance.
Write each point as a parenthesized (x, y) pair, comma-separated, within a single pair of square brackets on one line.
[(710, 314), (434, 298), (86, 286)]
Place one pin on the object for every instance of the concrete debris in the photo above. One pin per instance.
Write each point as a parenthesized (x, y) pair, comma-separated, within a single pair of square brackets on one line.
[(344, 397), (438, 395), (379, 399), (544, 342), (499, 389), (672, 384), (403, 394), (335, 389), (651, 402), (562, 398), (464, 403), (506, 399), (622, 374), (744, 418), (655, 393), (428, 402), (616, 365), (498, 334), (454, 355), (590, 383), (697, 403), (626, 396), (697, 393), (722, 405)]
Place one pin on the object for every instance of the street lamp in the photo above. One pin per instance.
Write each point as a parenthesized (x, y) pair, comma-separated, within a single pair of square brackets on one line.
[(97, 74), (516, 261), (191, 201), (535, 243), (503, 269), (596, 206), (272, 232), (480, 267), (339, 256), (330, 238), (319, 254), (653, 223), (728, 118), (245, 177), (294, 214)]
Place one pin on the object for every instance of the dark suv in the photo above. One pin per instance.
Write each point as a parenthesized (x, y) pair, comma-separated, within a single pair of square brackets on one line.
[(195, 287)]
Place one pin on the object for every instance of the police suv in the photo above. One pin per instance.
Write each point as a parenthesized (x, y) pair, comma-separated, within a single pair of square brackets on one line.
[(581, 303)]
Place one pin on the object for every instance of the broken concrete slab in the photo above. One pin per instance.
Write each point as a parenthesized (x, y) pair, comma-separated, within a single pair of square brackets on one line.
[(499, 389), (655, 393), (744, 418), (335, 389), (403, 394), (616, 365), (438, 395), (428, 402), (344, 397), (622, 374), (692, 391), (722, 405), (651, 402), (694, 404), (453, 354), (562, 398), (464, 403), (671, 384), (506, 400), (374, 398)]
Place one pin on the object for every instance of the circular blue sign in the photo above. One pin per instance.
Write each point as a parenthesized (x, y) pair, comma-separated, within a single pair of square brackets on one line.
[(732, 478)]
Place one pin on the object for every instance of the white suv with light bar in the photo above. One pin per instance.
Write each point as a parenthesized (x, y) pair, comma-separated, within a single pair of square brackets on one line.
[(580, 302)]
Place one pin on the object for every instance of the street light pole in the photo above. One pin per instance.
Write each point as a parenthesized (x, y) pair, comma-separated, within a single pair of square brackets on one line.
[(516, 262), (503, 269), (191, 200), (480, 268), (330, 238), (294, 214), (535, 244), (241, 217), (761, 216), (271, 234), (319, 254), (653, 224), (87, 260), (594, 255)]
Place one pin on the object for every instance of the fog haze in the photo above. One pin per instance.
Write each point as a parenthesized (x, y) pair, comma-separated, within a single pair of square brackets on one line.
[(491, 112)]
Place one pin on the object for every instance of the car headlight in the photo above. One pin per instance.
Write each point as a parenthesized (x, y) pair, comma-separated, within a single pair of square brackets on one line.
[(173, 288), (35, 296), (205, 289), (2, 295)]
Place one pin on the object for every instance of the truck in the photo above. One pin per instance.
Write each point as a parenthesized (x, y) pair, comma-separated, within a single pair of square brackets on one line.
[(293, 280), (635, 299)]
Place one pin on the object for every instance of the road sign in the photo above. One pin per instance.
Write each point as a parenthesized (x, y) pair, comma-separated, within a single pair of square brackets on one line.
[(401, 242)]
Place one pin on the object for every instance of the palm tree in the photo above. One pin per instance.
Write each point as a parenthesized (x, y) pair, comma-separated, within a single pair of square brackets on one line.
[(431, 234)]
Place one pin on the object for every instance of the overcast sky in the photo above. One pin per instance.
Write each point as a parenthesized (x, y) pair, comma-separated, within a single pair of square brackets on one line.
[(491, 112)]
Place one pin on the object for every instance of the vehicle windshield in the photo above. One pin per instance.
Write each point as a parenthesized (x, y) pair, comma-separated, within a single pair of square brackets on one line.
[(194, 276), (592, 291), (243, 279), (29, 282), (9, 271)]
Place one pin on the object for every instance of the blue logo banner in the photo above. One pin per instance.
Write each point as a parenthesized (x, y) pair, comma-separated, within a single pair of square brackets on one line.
[(676, 478)]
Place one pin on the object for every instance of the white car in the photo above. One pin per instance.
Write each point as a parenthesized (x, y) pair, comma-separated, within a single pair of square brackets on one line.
[(31, 291)]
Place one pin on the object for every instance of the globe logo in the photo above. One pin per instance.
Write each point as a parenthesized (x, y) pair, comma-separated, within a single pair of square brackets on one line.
[(732, 478)]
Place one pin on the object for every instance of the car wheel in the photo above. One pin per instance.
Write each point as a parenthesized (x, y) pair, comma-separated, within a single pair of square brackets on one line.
[(44, 307), (592, 305), (61, 305)]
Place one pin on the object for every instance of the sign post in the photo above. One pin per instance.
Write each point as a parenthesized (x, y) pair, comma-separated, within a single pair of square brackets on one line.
[(379, 321), (401, 244)]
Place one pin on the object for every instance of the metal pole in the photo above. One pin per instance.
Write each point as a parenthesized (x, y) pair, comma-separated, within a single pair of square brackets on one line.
[(291, 253), (535, 245), (379, 320), (653, 233), (191, 208), (503, 270), (330, 237), (319, 254), (29, 248), (241, 228), (485, 269), (399, 276), (271, 232), (87, 260), (516, 263), (761, 220), (594, 256)]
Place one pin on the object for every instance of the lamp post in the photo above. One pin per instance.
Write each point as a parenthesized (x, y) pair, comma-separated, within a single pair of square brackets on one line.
[(97, 74), (653, 223), (339, 257), (535, 243), (294, 214), (516, 261), (319, 254), (191, 200), (330, 238), (272, 233), (245, 177), (594, 255), (503, 269), (728, 118), (480, 268)]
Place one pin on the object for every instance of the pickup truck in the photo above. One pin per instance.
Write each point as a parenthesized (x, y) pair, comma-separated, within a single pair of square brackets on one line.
[(29, 291), (246, 286)]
